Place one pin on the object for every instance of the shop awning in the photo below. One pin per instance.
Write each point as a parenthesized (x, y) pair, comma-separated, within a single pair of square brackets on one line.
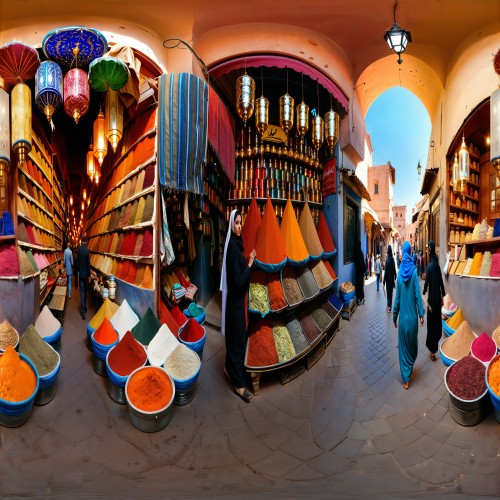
[(429, 176), (358, 183), (419, 215), (371, 218)]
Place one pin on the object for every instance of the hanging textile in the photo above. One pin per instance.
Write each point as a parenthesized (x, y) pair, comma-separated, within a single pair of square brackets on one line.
[(221, 132), (250, 229), (186, 210), (295, 247), (182, 131), (167, 254)]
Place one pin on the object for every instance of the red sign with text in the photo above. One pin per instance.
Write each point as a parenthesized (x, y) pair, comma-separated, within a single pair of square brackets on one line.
[(330, 177)]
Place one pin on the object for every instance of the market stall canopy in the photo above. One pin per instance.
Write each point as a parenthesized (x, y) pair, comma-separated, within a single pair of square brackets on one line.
[(250, 228), (271, 254), (325, 237), (420, 213), (295, 246), (309, 233), (429, 175), (371, 219), (357, 182)]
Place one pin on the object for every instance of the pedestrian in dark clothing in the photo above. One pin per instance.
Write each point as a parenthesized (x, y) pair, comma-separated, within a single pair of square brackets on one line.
[(360, 271), (434, 282), (389, 278), (83, 259), (234, 284)]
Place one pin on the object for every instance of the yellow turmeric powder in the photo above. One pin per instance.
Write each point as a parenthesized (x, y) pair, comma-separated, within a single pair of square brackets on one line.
[(17, 378)]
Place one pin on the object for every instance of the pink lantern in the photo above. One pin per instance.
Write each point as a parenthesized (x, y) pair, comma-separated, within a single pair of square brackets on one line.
[(76, 93)]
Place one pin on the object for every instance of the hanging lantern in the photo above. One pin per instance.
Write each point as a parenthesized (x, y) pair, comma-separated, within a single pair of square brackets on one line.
[(4, 204), (456, 175), (464, 161), (84, 194), (90, 162), (21, 121), (100, 141), (302, 119), (317, 131), (82, 206), (4, 128), (332, 128), (113, 125), (107, 73), (495, 120), (71, 200), (76, 93), (261, 114), (18, 62), (286, 112), (245, 97), (48, 88)]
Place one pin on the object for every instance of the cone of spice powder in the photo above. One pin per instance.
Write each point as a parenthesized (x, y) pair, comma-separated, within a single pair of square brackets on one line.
[(126, 356), (43, 355), (149, 176), (483, 348), (178, 316), (9, 265), (458, 345), (147, 281), (132, 272), (161, 345), (148, 208), (105, 334), (138, 244), (139, 274), (124, 319), (133, 212), (22, 234), (147, 244), (47, 324), (167, 319), (330, 269), (140, 181), (250, 229), (140, 210), (17, 379), (25, 266)]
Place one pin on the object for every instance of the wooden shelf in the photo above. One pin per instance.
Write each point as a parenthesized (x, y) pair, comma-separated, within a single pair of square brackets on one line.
[(148, 258), (36, 247), (8, 237), (39, 226), (125, 228), (460, 209), (282, 156), (34, 182), (457, 224), (489, 241), (37, 203)]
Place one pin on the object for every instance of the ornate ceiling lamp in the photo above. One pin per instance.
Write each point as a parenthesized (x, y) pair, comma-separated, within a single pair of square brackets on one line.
[(76, 91), (91, 162), (396, 37), (332, 126), (100, 141), (455, 172), (302, 115), (48, 88), (4, 146), (21, 121), (495, 120), (318, 128), (464, 162), (245, 97), (113, 118), (261, 110), (286, 109)]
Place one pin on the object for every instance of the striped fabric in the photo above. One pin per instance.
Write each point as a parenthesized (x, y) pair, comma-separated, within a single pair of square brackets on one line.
[(182, 131)]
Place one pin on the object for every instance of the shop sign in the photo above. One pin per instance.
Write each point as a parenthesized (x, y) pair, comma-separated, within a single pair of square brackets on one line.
[(330, 177)]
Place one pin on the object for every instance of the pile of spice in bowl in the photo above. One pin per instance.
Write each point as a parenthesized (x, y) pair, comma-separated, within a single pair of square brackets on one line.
[(465, 379), (8, 336), (484, 348), (458, 345)]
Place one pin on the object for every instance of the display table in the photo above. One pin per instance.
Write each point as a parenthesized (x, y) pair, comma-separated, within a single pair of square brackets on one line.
[(58, 301)]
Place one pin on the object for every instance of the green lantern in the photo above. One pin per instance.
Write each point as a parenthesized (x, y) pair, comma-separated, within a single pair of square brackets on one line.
[(107, 73)]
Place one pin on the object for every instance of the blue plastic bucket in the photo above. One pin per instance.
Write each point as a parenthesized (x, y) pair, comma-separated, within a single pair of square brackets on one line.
[(55, 339), (194, 346), (199, 311), (47, 388), (495, 399), (90, 331), (16, 414), (100, 352), (445, 359), (446, 329), (185, 388)]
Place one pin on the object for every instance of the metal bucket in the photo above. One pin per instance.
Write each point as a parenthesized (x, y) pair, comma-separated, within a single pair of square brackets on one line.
[(469, 413), (45, 395), (117, 392), (150, 422), (99, 366), (184, 397)]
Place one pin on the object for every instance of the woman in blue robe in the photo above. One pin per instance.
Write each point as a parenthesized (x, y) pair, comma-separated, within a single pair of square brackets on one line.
[(408, 307)]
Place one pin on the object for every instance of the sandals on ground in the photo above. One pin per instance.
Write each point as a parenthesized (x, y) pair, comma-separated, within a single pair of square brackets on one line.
[(432, 356), (245, 395)]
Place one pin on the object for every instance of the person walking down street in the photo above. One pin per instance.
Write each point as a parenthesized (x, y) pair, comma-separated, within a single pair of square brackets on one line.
[(408, 307), (234, 284), (372, 264), (433, 282), (68, 264), (360, 272), (378, 271), (389, 278), (83, 259)]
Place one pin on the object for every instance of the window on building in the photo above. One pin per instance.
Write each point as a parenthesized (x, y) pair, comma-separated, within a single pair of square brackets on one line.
[(351, 231), (376, 188), (494, 193)]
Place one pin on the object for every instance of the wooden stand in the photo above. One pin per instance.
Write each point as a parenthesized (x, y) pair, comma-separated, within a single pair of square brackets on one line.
[(348, 311)]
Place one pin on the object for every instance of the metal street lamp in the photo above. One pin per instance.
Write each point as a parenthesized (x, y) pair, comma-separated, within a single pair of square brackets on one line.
[(396, 37)]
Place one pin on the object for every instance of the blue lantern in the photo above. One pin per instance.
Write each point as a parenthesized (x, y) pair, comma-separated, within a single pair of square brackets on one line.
[(48, 88)]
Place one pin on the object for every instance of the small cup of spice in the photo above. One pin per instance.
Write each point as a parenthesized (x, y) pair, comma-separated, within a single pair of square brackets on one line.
[(8, 336)]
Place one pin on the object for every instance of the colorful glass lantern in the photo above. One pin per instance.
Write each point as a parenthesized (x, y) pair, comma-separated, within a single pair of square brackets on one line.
[(455, 172), (21, 121), (332, 128), (4, 128), (107, 73), (18, 62), (76, 93), (113, 125), (261, 114), (317, 131), (464, 161), (100, 141), (48, 88), (91, 162), (495, 129), (302, 119), (286, 112), (245, 97)]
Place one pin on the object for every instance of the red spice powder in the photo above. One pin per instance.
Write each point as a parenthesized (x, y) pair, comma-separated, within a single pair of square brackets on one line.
[(465, 378), (126, 356), (178, 315), (167, 319), (149, 389), (192, 332), (484, 347), (261, 347), (9, 264), (105, 334), (274, 289)]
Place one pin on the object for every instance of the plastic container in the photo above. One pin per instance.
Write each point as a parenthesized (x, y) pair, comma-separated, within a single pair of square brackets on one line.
[(494, 398), (90, 331), (55, 339), (150, 421), (445, 359), (185, 388), (446, 329), (99, 353), (194, 346), (47, 388), (16, 414), (467, 412), (195, 311)]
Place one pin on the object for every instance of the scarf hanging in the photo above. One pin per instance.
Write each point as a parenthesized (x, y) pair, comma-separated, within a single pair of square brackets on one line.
[(167, 254), (223, 278)]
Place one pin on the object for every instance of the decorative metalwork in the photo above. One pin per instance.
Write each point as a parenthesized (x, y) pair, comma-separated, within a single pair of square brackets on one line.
[(48, 88)]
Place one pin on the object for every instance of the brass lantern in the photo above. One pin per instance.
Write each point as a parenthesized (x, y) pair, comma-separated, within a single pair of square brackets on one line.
[(100, 141), (114, 118), (332, 128), (4, 147), (245, 97), (21, 121), (302, 119), (317, 131), (495, 129), (455, 172), (91, 162), (286, 112), (261, 114), (464, 162)]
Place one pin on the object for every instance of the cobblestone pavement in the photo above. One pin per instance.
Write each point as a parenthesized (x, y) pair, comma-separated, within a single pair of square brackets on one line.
[(345, 428)]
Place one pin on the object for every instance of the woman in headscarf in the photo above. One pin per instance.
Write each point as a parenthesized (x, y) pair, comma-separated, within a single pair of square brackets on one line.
[(235, 280), (408, 307), (434, 282), (360, 271), (389, 278)]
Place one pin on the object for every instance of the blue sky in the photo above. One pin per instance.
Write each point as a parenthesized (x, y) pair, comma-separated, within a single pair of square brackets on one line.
[(400, 128)]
